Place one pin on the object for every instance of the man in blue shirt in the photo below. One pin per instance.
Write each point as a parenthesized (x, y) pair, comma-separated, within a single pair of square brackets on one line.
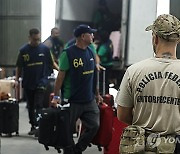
[(33, 62), (54, 43), (76, 79)]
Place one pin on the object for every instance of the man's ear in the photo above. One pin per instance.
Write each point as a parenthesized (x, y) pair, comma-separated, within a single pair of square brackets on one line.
[(156, 39), (82, 36)]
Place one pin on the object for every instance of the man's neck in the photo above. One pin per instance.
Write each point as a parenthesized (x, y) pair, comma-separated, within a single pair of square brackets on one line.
[(166, 51), (81, 45), (166, 55)]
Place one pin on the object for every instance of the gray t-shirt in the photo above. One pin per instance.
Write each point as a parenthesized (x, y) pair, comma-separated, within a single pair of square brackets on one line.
[(152, 88)]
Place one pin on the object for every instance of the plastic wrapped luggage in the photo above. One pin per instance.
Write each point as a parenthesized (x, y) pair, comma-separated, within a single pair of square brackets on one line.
[(7, 86), (113, 147), (54, 127), (9, 117)]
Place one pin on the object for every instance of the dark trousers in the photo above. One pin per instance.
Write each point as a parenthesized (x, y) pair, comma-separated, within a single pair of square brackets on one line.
[(89, 115), (35, 104)]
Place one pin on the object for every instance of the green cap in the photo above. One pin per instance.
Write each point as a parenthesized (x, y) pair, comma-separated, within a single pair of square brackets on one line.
[(166, 26)]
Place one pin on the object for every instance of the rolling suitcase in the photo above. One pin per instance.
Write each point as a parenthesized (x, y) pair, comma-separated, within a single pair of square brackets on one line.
[(9, 117), (104, 134), (49, 90), (113, 147), (54, 128), (109, 100)]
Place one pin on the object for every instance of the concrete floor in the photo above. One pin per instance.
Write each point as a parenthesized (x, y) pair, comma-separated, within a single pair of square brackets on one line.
[(25, 144)]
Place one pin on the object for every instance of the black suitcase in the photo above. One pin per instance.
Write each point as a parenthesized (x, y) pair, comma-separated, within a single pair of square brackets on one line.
[(48, 91), (54, 128), (9, 117)]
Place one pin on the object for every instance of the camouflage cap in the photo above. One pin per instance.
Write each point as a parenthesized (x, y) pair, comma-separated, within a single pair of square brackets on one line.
[(166, 26)]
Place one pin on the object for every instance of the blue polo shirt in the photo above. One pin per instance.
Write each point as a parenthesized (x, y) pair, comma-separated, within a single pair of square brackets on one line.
[(57, 44), (79, 83), (35, 63)]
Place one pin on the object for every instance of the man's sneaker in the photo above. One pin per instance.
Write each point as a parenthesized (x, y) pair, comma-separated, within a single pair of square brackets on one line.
[(32, 131)]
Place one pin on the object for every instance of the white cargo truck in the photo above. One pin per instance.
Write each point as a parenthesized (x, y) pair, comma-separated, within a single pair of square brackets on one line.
[(136, 15)]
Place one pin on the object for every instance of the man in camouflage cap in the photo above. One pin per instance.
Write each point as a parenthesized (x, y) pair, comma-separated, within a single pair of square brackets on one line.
[(166, 26), (149, 94)]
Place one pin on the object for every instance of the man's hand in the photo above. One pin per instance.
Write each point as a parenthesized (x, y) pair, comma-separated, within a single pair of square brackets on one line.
[(99, 99), (99, 67), (55, 101)]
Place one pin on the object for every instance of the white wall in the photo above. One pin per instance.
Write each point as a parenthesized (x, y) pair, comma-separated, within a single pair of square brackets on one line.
[(47, 17), (142, 14), (163, 7)]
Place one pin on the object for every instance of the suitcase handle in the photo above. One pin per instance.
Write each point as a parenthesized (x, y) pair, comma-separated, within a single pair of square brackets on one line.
[(104, 80)]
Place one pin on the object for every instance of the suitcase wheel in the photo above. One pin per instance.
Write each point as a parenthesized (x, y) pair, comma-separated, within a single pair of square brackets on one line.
[(99, 148), (9, 135), (58, 150), (90, 145), (46, 147)]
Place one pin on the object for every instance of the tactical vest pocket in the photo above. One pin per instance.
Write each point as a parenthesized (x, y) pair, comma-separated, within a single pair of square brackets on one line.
[(132, 140)]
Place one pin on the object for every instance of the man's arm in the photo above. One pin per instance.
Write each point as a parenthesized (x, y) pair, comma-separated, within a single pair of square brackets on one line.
[(59, 82), (48, 43), (19, 65), (18, 73), (55, 66), (57, 87), (16, 84), (98, 66), (64, 67), (124, 114)]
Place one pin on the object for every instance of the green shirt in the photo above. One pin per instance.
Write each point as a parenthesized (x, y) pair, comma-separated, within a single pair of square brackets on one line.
[(64, 66), (105, 54)]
